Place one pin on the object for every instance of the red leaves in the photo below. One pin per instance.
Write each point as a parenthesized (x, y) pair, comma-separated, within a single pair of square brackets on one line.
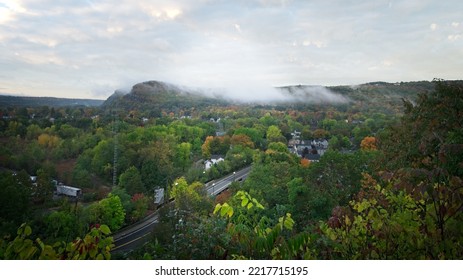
[(138, 196)]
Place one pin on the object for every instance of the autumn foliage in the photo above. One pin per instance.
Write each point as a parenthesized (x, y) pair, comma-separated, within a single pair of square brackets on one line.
[(368, 143), (215, 145), (243, 140), (305, 162), (49, 141)]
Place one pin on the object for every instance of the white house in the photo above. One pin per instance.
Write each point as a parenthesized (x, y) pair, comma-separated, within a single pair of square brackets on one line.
[(208, 163)]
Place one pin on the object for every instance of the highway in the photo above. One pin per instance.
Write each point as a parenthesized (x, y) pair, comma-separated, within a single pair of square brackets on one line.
[(216, 187), (134, 236)]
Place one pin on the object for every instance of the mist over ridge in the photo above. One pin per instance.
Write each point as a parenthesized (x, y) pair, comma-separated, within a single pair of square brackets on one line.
[(309, 94)]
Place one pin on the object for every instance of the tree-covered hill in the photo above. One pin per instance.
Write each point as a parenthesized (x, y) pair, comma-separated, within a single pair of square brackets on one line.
[(383, 97), (156, 97)]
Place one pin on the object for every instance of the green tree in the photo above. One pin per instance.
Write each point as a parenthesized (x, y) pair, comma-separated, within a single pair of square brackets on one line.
[(253, 133), (183, 155), (16, 129), (81, 178), (112, 212), (274, 134), (424, 153), (131, 181), (334, 143), (333, 181), (42, 191), (345, 142), (15, 192), (278, 147), (383, 223), (320, 133), (360, 132), (102, 158), (239, 156), (187, 197), (157, 160), (328, 124), (33, 132), (140, 206), (126, 201), (299, 198), (255, 236), (268, 120), (306, 133), (61, 225), (68, 131)]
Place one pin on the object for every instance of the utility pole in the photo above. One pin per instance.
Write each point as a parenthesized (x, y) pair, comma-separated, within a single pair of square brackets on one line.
[(115, 152)]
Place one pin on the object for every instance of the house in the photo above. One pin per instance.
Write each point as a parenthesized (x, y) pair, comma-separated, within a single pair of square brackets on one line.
[(220, 133), (320, 143), (309, 149), (296, 134), (215, 120), (313, 157), (294, 142), (213, 160)]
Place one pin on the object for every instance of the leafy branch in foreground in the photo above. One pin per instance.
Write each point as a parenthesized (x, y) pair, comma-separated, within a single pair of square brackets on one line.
[(391, 224), (95, 245), (255, 236)]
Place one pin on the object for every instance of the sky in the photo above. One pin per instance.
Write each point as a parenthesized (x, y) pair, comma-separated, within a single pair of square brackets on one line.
[(90, 48)]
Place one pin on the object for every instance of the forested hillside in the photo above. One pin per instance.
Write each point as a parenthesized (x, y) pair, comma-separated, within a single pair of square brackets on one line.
[(387, 186), (156, 99)]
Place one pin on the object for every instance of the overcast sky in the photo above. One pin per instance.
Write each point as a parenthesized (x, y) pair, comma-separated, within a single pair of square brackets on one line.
[(87, 49)]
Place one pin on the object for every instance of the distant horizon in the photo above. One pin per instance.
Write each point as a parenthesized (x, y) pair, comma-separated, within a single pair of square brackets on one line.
[(188, 87)]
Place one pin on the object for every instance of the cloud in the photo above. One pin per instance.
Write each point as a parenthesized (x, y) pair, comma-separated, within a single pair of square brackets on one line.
[(318, 44), (313, 95), (256, 93), (9, 10), (387, 63), (163, 13), (238, 28), (454, 37)]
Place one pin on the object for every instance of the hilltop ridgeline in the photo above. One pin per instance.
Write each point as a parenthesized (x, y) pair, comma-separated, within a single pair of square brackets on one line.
[(156, 96)]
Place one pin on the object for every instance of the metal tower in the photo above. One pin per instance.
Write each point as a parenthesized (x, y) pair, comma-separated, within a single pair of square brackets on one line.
[(114, 130)]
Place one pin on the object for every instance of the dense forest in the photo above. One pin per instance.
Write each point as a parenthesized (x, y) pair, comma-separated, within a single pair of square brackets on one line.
[(388, 185)]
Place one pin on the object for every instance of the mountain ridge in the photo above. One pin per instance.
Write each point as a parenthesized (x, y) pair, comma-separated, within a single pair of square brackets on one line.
[(158, 95)]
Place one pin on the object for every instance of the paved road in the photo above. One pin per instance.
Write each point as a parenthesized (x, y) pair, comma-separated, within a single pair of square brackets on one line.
[(134, 236), (218, 186)]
